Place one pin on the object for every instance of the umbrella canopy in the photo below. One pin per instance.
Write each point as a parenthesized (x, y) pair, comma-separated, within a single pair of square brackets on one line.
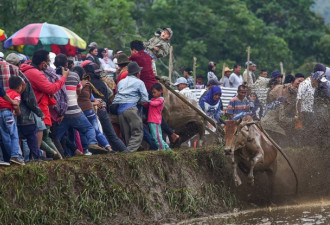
[(46, 34), (2, 35)]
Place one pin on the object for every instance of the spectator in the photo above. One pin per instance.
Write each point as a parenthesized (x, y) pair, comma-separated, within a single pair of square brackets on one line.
[(187, 73), (84, 102), (225, 79), (211, 71), (92, 56), (41, 86), (288, 79), (211, 103), (73, 117), (101, 92), (239, 103), (182, 86), (250, 78), (131, 91), (256, 110), (235, 78), (8, 127), (156, 106), (262, 81), (115, 59), (276, 75), (199, 82), (122, 63), (107, 65)]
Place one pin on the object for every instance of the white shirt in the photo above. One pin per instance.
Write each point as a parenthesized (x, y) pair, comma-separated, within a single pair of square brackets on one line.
[(187, 93), (109, 66), (235, 80), (306, 95)]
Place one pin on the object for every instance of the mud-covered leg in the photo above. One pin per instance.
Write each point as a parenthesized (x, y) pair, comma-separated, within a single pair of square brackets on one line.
[(237, 179), (259, 157)]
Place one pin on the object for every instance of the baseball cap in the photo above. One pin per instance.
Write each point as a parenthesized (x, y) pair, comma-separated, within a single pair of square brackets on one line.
[(181, 80)]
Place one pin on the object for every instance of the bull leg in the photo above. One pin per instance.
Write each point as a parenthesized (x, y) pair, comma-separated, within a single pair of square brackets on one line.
[(237, 179), (253, 162)]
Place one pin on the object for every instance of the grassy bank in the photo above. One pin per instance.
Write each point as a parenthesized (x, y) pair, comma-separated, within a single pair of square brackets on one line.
[(139, 188)]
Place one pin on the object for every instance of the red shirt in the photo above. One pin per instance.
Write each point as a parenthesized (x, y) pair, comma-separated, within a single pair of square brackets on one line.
[(147, 74), (13, 95)]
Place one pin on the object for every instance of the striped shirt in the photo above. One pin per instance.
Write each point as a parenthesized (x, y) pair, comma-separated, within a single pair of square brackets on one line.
[(236, 106), (72, 84)]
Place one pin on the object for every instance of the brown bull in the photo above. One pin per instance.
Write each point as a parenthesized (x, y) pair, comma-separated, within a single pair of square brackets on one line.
[(181, 118), (249, 146)]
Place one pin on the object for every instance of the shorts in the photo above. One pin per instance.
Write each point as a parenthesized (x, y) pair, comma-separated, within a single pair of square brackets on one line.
[(39, 123)]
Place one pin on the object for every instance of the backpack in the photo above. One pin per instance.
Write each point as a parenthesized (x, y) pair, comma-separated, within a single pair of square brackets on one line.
[(61, 97)]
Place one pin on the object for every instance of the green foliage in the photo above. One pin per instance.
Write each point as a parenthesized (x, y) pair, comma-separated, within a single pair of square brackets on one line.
[(220, 31)]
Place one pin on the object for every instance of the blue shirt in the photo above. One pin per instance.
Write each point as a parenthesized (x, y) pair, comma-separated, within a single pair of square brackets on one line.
[(131, 90)]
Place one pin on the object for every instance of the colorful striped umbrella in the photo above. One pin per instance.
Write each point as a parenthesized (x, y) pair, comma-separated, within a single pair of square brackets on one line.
[(2, 35), (45, 34)]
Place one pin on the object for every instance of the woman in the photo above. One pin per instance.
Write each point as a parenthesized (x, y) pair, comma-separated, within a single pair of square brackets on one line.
[(108, 67), (211, 103), (211, 71), (256, 110), (92, 56)]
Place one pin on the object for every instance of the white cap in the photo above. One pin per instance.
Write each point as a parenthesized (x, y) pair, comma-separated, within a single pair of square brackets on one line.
[(2, 55), (181, 80)]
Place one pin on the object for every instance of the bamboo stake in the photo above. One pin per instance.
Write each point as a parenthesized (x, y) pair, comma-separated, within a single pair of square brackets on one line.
[(194, 71), (282, 72), (223, 72), (248, 66), (170, 64)]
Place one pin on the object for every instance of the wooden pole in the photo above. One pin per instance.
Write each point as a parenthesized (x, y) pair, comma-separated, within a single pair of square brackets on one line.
[(200, 112), (170, 64), (223, 71), (248, 66), (282, 72), (194, 71)]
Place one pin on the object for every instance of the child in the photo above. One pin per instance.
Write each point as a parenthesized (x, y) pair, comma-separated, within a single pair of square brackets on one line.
[(8, 126), (156, 106), (199, 82), (159, 46)]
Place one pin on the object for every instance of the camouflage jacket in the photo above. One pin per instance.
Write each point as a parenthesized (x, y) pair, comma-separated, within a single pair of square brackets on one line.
[(162, 45)]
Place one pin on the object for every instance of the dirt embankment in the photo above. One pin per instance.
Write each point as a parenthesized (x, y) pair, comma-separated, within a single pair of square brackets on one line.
[(140, 188), (147, 187)]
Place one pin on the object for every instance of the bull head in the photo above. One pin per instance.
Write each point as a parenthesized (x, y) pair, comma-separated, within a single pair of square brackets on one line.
[(232, 137)]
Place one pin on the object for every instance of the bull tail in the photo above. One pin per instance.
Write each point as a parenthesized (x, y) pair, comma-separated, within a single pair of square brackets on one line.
[(283, 154)]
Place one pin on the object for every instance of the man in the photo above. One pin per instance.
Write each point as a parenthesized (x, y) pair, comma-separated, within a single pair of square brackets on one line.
[(115, 58), (182, 86), (41, 86), (26, 121), (321, 108), (235, 78), (276, 75), (190, 80), (225, 79), (73, 117), (262, 81), (249, 79), (239, 103), (92, 45), (131, 92), (289, 92), (139, 56)]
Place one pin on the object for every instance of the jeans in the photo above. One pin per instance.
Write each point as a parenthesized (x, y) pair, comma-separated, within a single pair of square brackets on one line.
[(29, 132), (109, 132), (79, 123), (90, 114), (148, 138), (9, 133)]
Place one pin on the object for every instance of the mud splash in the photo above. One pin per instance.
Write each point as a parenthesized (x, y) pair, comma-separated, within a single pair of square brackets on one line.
[(306, 213)]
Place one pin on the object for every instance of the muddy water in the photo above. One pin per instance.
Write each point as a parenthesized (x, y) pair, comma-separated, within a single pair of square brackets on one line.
[(307, 214)]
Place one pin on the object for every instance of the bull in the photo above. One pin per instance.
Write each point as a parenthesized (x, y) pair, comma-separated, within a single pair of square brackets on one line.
[(180, 117), (249, 148)]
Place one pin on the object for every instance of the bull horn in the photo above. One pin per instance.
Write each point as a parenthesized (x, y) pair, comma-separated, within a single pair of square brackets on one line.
[(239, 121)]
